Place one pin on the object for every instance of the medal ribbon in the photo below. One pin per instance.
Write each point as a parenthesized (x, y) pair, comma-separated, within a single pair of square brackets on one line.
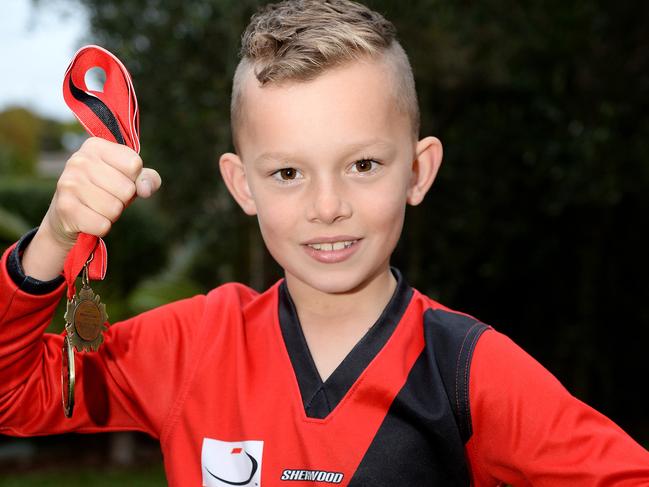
[(111, 114)]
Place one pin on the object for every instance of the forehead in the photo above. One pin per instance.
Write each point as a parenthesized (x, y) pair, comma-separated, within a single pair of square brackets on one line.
[(354, 102)]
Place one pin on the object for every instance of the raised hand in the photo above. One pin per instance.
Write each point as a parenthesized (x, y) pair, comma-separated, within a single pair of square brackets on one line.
[(98, 182)]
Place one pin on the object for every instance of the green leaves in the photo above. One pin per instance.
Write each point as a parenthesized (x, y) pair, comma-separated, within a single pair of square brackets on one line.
[(12, 226)]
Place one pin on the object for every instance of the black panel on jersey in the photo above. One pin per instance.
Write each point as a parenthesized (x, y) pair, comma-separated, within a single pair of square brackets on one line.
[(453, 346), (421, 440), (320, 398)]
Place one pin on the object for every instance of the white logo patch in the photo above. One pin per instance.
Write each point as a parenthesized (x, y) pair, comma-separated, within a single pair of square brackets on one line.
[(231, 463)]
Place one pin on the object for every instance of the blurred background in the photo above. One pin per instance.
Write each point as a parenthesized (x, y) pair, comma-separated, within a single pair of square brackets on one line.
[(537, 223)]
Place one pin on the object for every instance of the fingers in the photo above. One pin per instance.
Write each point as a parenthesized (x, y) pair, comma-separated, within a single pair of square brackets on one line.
[(68, 216), (121, 157), (99, 181), (109, 179), (101, 202), (125, 161)]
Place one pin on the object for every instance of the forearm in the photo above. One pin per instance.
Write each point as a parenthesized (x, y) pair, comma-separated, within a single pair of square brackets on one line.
[(45, 255)]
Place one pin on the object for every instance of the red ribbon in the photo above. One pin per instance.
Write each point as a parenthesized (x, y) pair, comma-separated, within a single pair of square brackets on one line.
[(111, 114)]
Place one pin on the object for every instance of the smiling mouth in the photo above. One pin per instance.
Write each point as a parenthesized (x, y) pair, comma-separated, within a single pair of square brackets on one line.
[(331, 246)]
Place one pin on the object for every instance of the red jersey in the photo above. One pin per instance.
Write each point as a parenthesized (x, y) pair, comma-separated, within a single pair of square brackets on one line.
[(226, 382)]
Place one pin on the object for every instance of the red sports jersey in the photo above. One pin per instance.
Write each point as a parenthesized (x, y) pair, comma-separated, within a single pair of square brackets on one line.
[(227, 384)]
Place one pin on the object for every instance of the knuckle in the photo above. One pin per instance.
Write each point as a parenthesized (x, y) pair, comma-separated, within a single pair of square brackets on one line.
[(64, 205), (77, 167), (68, 183), (116, 209), (64, 184), (103, 227), (134, 166), (129, 192), (91, 142), (77, 159)]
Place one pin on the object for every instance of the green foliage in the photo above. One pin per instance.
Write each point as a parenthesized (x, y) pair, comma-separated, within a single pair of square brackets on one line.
[(12, 226), (27, 199), (19, 135), (171, 283), (23, 135)]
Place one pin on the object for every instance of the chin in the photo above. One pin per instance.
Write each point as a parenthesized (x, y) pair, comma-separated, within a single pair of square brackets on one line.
[(336, 280), (329, 286)]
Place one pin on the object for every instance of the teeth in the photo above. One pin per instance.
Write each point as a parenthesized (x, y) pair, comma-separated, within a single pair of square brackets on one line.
[(332, 245)]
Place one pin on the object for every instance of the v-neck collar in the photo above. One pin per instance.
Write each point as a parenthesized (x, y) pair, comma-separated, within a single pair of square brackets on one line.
[(320, 398)]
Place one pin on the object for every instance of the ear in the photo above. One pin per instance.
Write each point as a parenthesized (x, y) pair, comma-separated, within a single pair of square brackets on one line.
[(424, 169), (234, 175)]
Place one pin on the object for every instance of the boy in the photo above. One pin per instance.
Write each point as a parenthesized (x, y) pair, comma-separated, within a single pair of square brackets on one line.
[(340, 373)]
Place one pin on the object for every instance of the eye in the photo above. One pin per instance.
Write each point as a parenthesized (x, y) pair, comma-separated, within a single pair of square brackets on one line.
[(287, 174), (364, 165)]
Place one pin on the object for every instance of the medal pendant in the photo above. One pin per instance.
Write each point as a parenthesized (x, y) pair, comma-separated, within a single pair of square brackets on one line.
[(68, 378), (85, 317)]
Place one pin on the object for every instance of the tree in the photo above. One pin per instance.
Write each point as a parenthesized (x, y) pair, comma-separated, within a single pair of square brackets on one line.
[(20, 131)]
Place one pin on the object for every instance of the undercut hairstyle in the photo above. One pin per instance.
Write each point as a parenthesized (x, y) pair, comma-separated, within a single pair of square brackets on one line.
[(298, 40)]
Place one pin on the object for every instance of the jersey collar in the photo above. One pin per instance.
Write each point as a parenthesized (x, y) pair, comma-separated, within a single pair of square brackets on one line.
[(320, 398)]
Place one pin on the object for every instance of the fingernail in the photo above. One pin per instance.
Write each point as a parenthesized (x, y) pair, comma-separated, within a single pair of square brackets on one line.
[(146, 188)]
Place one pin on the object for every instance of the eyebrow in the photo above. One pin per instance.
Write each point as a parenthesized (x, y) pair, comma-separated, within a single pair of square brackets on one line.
[(349, 149)]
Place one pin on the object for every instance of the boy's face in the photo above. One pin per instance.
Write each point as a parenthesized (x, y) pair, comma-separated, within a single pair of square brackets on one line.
[(328, 167)]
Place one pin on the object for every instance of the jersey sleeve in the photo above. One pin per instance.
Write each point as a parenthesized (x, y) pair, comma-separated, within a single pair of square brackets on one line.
[(529, 431), (131, 383)]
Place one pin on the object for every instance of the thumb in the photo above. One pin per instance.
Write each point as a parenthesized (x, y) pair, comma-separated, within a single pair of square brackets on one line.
[(147, 183)]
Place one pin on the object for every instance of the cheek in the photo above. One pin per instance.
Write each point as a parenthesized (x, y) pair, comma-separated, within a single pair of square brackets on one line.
[(269, 211), (384, 213), (275, 220), (386, 206)]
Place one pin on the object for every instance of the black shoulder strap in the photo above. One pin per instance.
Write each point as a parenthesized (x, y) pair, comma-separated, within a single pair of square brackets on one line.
[(453, 337)]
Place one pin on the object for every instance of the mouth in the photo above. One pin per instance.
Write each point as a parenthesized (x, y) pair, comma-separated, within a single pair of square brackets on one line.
[(331, 246), (332, 250)]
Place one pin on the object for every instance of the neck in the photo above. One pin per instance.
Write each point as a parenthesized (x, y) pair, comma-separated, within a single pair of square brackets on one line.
[(357, 308)]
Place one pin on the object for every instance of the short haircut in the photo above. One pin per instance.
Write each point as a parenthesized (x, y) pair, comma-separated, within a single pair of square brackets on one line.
[(298, 40)]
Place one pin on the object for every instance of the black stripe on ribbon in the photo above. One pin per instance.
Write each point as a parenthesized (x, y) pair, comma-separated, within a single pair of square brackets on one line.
[(98, 108)]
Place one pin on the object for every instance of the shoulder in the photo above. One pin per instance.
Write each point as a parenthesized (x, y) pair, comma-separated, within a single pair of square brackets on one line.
[(232, 294), (453, 334), (227, 298)]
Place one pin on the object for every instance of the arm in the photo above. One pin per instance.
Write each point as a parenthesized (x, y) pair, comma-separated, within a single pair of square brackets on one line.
[(130, 383), (97, 184), (528, 430)]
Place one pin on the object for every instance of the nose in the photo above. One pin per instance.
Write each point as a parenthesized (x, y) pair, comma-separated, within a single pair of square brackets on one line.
[(329, 202)]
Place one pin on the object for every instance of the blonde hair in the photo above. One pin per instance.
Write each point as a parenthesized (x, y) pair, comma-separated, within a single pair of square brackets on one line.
[(298, 40)]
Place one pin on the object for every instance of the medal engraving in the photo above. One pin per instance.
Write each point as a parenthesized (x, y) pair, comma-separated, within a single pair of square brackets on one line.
[(88, 316)]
